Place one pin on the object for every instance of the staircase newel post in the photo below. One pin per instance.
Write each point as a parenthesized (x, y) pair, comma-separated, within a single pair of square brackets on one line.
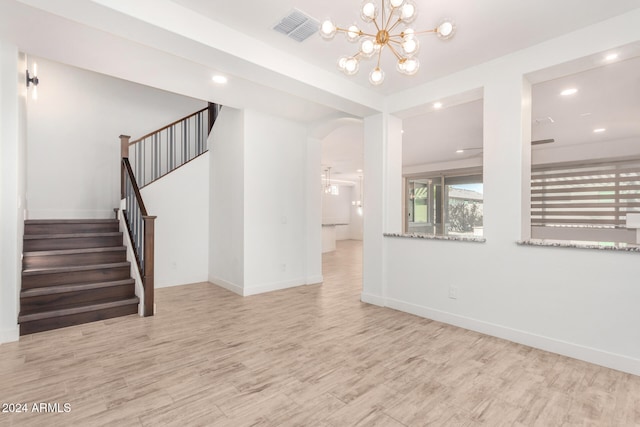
[(124, 154), (148, 279)]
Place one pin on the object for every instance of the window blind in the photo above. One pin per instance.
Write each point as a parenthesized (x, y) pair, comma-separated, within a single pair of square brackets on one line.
[(585, 195)]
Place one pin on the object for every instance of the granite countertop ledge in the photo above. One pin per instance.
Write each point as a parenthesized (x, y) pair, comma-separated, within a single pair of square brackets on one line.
[(434, 237), (577, 246)]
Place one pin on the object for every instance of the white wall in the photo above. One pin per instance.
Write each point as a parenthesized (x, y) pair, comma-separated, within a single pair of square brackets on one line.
[(275, 203), (570, 301), (73, 147), (226, 202), (313, 215), (576, 302), (181, 202), (12, 185), (265, 220), (382, 199)]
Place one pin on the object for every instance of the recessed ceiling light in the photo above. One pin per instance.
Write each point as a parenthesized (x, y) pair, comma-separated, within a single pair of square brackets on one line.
[(585, 114), (220, 79), (359, 170), (437, 105), (568, 92), (599, 130), (459, 151), (611, 57)]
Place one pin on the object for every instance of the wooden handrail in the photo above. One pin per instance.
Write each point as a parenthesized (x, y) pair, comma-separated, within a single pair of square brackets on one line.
[(136, 190), (167, 126)]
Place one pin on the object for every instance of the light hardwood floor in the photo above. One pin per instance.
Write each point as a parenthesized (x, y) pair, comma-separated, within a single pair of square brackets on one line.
[(309, 356)]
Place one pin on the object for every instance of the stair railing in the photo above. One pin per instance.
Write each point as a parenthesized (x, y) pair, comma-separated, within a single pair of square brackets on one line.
[(166, 149), (141, 228), (146, 160)]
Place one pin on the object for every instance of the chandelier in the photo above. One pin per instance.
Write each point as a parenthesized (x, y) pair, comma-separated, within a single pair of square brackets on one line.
[(328, 188), (392, 31)]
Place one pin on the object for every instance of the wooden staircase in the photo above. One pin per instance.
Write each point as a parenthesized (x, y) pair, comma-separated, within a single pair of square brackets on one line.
[(74, 271)]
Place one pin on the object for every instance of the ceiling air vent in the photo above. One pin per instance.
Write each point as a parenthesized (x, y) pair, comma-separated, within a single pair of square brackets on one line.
[(297, 25)]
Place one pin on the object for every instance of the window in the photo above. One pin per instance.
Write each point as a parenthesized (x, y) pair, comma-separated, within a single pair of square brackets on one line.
[(585, 201), (445, 205)]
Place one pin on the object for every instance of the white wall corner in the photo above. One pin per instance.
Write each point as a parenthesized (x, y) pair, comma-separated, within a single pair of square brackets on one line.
[(392, 129), (10, 335), (236, 289), (313, 212), (373, 299), (273, 286), (525, 172), (315, 280)]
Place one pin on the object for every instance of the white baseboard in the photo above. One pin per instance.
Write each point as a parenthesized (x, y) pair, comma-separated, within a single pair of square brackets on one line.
[(263, 288), (69, 214), (372, 299), (9, 335), (315, 280), (576, 351), (173, 285), (236, 289), (275, 286)]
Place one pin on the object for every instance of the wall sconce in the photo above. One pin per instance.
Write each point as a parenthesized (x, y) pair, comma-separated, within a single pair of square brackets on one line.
[(33, 80)]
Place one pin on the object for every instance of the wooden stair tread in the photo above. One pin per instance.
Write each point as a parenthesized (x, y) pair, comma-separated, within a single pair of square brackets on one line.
[(73, 272), (76, 310), (69, 221), (75, 251), (60, 289), (49, 270), (70, 236)]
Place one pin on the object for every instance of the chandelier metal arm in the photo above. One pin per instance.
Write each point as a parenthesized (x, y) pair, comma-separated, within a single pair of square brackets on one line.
[(360, 32), (383, 10), (392, 49), (417, 33), (394, 25), (366, 34), (376, 24)]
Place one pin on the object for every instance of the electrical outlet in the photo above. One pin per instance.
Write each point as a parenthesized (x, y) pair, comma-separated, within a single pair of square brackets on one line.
[(453, 292), (283, 267)]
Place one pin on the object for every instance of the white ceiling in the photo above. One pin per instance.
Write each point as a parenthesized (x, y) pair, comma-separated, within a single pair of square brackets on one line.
[(152, 41), (608, 97), (486, 30)]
